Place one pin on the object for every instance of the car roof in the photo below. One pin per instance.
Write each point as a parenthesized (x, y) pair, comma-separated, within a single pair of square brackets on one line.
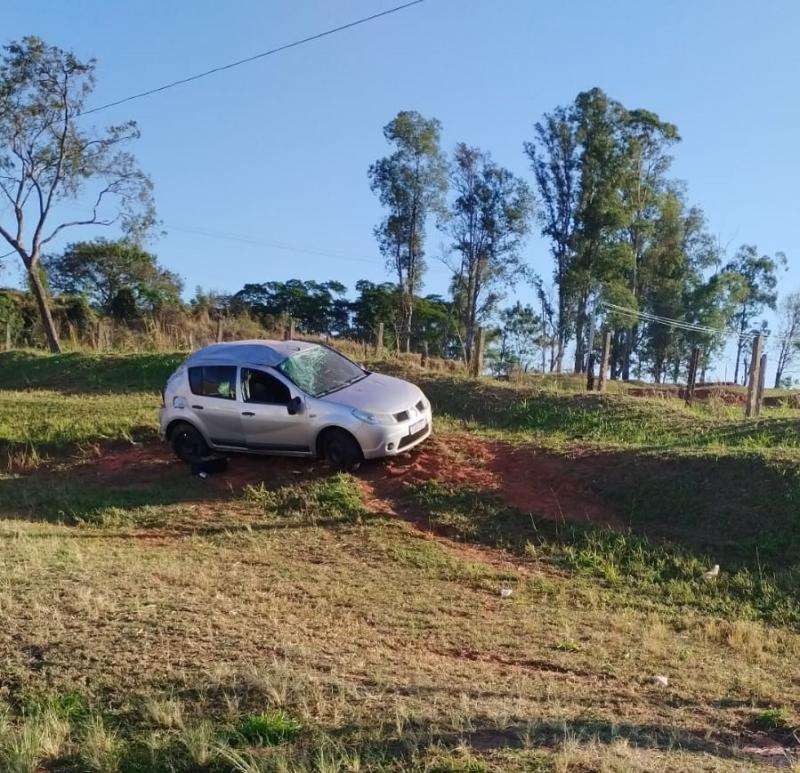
[(254, 352)]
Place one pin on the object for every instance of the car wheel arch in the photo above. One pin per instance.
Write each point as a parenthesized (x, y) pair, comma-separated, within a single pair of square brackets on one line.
[(333, 428), (175, 422)]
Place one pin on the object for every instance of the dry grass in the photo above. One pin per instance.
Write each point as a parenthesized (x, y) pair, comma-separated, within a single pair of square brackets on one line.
[(291, 626)]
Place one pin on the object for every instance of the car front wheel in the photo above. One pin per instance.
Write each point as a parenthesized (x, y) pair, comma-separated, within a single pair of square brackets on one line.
[(341, 450)]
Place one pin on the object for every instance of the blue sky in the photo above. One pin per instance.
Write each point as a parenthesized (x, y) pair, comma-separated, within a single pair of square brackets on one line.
[(277, 151)]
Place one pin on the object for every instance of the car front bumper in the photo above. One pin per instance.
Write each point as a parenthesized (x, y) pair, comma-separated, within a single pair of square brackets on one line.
[(378, 441)]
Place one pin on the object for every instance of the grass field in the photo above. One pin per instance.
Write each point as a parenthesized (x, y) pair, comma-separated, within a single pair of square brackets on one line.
[(280, 617)]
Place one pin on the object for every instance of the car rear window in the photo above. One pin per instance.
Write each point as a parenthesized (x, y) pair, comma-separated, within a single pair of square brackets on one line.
[(214, 381)]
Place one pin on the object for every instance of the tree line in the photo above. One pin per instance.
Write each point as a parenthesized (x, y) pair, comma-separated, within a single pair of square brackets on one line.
[(626, 245)]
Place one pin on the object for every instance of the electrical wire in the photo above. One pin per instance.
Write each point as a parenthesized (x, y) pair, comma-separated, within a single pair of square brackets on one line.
[(675, 323), (262, 55), (271, 245)]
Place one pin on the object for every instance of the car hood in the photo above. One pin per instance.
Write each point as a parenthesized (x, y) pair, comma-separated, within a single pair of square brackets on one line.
[(378, 394)]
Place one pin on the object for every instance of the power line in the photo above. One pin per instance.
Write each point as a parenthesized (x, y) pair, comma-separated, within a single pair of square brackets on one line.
[(263, 54), (676, 323), (274, 245), (271, 245)]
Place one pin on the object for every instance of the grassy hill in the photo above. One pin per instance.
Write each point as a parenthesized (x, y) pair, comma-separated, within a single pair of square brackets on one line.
[(281, 617)]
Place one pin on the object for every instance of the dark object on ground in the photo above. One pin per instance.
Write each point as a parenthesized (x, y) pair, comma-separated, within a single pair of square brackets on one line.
[(210, 466)]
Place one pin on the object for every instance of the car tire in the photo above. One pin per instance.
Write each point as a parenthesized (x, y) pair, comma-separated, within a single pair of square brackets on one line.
[(188, 444), (341, 450)]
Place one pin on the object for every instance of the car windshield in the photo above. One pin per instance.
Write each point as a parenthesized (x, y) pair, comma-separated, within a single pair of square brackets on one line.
[(319, 371)]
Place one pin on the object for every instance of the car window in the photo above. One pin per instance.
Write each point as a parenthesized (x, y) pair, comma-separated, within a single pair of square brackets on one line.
[(260, 387), (214, 381)]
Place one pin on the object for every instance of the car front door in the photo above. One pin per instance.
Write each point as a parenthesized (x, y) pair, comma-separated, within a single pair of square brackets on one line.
[(214, 404), (268, 424)]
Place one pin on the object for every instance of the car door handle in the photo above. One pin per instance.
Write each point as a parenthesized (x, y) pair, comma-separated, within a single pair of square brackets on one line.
[(198, 407), (247, 413)]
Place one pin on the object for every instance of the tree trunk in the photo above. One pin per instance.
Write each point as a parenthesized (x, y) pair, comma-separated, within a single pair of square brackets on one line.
[(630, 337), (580, 342), (39, 292)]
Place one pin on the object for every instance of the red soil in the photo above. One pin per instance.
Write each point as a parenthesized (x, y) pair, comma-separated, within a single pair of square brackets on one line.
[(534, 482)]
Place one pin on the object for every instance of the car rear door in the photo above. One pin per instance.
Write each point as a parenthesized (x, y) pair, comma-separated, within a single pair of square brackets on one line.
[(267, 423), (215, 404)]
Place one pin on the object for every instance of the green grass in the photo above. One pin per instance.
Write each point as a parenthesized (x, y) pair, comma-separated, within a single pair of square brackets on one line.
[(81, 372), (45, 421), (651, 575), (563, 419), (269, 728)]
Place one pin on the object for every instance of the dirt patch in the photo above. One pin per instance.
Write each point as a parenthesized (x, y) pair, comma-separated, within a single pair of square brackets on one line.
[(546, 486)]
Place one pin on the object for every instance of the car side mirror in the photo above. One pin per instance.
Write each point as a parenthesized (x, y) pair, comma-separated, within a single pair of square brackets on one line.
[(294, 405)]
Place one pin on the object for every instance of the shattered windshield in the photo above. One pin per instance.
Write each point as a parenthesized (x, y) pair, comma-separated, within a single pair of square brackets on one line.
[(319, 371)]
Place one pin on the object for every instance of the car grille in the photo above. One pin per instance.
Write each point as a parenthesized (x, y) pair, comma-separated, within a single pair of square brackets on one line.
[(408, 439), (405, 415)]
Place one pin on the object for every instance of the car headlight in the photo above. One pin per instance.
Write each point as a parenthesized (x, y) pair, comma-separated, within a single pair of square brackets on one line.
[(178, 402), (373, 418)]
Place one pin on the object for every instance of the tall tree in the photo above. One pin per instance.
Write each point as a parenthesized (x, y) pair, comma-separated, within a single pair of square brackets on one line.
[(600, 261), (47, 158), (488, 222), (555, 157), (411, 183), (646, 141), (673, 285), (104, 270), (789, 335), (755, 279)]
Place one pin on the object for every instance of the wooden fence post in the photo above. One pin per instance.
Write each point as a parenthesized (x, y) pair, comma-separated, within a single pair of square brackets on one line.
[(288, 333), (601, 379), (476, 365), (219, 329), (379, 340), (762, 377), (425, 357), (751, 407), (691, 380), (8, 335), (590, 373)]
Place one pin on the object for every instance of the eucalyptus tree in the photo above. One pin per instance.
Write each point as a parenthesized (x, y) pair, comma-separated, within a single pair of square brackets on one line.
[(50, 155), (554, 154), (489, 219), (789, 335), (645, 191), (755, 280), (411, 183), (598, 267)]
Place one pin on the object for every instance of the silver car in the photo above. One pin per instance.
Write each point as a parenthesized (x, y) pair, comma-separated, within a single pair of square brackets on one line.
[(289, 397)]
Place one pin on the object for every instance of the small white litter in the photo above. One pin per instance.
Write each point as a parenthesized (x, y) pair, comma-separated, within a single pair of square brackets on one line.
[(203, 475), (506, 593), (711, 574), (659, 680)]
